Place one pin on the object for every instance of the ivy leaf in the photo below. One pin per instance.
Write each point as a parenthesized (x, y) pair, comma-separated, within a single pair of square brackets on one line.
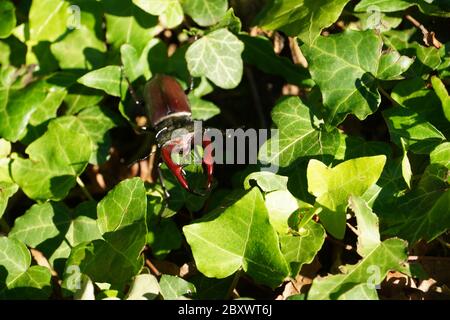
[(280, 204), (371, 270), (136, 65), (418, 135), (442, 93), (17, 107), (7, 18), (79, 49), (232, 240), (259, 52), (202, 109), (360, 292), (441, 155), (267, 181), (367, 221), (109, 79), (298, 135), (48, 19), (55, 160), (126, 23), (7, 190), (427, 207), (333, 187), (116, 258), (344, 67), (122, 206), (302, 18), (54, 229), (170, 12), (144, 287), (415, 95), (301, 248), (173, 287), (95, 122), (163, 237), (19, 280), (392, 65), (205, 12), (218, 57)]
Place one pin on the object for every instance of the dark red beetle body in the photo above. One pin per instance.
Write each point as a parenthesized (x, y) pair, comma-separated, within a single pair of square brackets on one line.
[(168, 109)]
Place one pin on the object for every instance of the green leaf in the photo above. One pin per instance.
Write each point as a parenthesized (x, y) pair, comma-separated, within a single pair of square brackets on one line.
[(128, 24), (217, 56), (17, 107), (229, 21), (109, 79), (259, 52), (333, 187), (299, 135), (7, 18), (344, 67), (442, 93), (406, 165), (441, 155), (122, 206), (173, 287), (202, 109), (371, 270), (267, 181), (205, 12), (55, 160), (19, 280), (116, 258), (422, 213), (7, 190), (302, 18), (163, 237), (144, 287), (418, 135), (48, 19), (79, 49), (54, 229), (416, 95), (95, 122), (240, 237), (360, 292), (367, 221), (211, 288), (170, 12), (301, 248), (392, 65), (136, 65), (280, 205)]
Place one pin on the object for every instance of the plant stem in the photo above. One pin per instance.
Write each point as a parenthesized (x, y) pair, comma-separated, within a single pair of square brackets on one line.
[(233, 285), (84, 189), (428, 37)]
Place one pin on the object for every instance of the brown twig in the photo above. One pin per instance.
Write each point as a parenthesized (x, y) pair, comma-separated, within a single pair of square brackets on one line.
[(152, 267), (429, 37)]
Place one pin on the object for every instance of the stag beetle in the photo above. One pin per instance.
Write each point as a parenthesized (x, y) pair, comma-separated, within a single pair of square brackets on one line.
[(167, 108)]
